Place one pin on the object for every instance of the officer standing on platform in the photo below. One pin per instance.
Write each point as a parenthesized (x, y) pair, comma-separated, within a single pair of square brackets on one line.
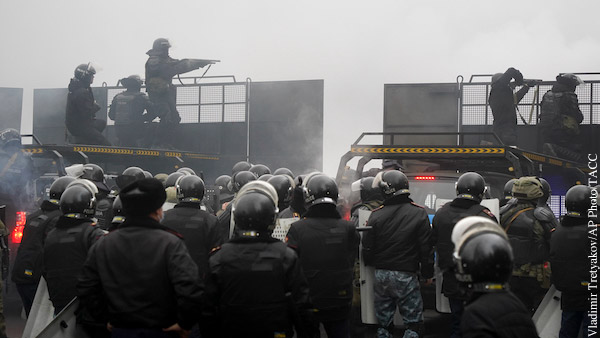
[(398, 246), (127, 110), (160, 70), (327, 246), (470, 188), (81, 110), (503, 102)]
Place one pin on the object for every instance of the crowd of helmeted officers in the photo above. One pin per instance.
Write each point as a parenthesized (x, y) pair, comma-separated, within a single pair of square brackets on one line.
[(150, 257)]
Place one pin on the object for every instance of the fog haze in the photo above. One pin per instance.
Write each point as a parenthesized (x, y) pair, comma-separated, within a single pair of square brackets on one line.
[(354, 46)]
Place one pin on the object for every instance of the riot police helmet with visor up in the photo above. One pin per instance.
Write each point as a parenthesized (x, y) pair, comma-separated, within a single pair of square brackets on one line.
[(319, 188), (85, 72), (392, 183)]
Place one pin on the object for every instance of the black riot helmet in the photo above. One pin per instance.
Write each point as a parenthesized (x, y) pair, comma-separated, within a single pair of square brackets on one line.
[(222, 183), (368, 192), (569, 80), (259, 170), (284, 185), (319, 188), (118, 214), (186, 170), (10, 137), (172, 178), (239, 179), (58, 187), (132, 82), (129, 176), (254, 211), (392, 183), (283, 171), (190, 188), (161, 44), (265, 177), (578, 201), (484, 257), (85, 73), (471, 186), (240, 166), (546, 189), (77, 201), (147, 174), (508, 188), (93, 172)]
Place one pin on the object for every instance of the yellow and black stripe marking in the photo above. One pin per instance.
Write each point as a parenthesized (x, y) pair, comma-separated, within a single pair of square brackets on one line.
[(420, 150)]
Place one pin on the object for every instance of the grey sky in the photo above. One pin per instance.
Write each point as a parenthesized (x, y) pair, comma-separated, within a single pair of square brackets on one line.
[(355, 46)]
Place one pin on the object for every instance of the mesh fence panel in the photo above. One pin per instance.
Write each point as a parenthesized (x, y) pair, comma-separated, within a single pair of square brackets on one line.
[(211, 94), (188, 95), (235, 94), (211, 113), (235, 112), (189, 114)]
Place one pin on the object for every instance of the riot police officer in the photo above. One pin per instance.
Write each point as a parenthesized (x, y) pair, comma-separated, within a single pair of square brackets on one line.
[(484, 262), (198, 227), (560, 118), (569, 248), (226, 224), (530, 240), (66, 246), (284, 185), (225, 195), (27, 267), (118, 214), (160, 69), (104, 199), (470, 189), (81, 110), (255, 287), (127, 110), (327, 246), (371, 197), (503, 103), (399, 247), (507, 192)]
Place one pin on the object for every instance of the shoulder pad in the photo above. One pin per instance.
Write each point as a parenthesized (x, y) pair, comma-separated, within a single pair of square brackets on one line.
[(543, 214), (378, 208), (489, 213), (416, 205)]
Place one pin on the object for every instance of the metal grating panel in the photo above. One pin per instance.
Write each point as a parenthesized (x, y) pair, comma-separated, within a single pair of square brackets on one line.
[(189, 114), (596, 114), (188, 95), (473, 115), (474, 102), (235, 112), (211, 94), (475, 94), (211, 113), (555, 203), (235, 94)]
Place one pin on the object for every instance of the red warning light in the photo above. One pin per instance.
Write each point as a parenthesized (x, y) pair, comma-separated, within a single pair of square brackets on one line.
[(425, 178)]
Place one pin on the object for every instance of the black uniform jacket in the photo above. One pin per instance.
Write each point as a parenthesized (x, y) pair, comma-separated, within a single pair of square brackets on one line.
[(496, 314), (141, 276), (569, 251), (81, 108), (198, 228), (27, 267), (400, 238), (327, 246), (65, 251), (443, 223), (255, 288)]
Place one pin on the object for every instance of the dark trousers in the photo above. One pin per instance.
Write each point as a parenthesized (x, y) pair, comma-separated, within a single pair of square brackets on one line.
[(456, 307), (92, 136), (528, 290), (337, 328), (141, 333), (27, 293), (572, 322)]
